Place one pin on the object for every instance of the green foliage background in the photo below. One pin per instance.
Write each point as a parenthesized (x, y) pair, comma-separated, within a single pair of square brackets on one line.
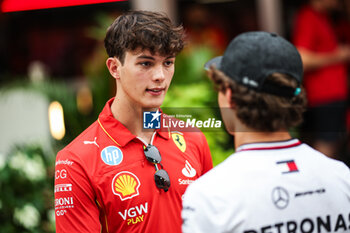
[(21, 188)]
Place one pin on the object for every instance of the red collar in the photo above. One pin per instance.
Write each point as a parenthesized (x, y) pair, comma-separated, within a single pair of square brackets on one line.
[(269, 145), (116, 131)]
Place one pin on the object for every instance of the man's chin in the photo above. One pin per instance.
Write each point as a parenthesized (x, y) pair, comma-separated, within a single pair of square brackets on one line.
[(153, 106)]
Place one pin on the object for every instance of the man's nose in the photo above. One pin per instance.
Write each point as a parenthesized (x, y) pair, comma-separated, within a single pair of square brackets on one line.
[(159, 73)]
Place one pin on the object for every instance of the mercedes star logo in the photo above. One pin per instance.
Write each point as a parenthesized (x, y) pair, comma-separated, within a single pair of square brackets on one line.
[(280, 197)]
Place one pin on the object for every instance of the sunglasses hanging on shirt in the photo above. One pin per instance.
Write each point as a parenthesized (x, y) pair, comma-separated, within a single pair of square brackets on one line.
[(161, 177)]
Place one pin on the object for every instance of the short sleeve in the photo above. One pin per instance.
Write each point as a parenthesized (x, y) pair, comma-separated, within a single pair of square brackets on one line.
[(75, 202)]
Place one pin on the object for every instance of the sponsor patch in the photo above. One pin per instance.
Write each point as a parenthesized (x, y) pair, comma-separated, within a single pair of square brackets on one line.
[(135, 214), (61, 174), (64, 203), (287, 166), (63, 188), (65, 162), (321, 223), (60, 212), (310, 192), (112, 155), (280, 197), (188, 170), (185, 182), (179, 141), (125, 185)]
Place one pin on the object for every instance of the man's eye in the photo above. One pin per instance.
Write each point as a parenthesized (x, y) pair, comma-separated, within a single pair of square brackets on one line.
[(146, 63), (168, 63)]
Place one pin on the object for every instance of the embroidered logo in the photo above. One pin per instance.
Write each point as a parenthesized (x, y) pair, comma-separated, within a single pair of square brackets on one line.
[(179, 141), (92, 142), (287, 166)]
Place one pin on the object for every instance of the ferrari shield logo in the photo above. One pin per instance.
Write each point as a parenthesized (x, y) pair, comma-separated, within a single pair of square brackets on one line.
[(179, 141)]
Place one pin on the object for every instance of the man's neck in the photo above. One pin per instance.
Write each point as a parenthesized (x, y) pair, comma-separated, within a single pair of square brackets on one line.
[(241, 138), (131, 117)]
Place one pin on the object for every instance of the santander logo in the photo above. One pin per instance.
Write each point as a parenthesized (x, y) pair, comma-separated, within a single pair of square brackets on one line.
[(188, 170)]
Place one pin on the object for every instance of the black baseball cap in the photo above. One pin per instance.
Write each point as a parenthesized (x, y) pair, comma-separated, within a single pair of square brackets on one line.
[(253, 56)]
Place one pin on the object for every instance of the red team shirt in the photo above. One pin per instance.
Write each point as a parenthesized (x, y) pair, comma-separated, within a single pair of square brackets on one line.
[(314, 32), (103, 182)]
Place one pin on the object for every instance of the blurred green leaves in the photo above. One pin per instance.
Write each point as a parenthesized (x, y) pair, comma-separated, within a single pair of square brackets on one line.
[(26, 184)]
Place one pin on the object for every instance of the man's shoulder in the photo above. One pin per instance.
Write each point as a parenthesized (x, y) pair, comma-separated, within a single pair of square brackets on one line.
[(220, 174), (196, 136), (219, 185), (330, 165), (88, 136)]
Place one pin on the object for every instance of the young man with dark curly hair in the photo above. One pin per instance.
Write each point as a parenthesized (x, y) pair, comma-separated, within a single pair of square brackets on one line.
[(273, 182), (117, 176)]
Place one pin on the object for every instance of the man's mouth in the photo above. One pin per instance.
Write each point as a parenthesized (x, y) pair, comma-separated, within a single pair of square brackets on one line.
[(156, 90)]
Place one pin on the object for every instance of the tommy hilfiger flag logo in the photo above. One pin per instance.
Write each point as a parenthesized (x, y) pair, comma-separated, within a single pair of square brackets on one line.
[(287, 166)]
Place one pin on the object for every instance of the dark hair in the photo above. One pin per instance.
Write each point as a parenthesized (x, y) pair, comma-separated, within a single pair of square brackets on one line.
[(261, 111), (144, 30)]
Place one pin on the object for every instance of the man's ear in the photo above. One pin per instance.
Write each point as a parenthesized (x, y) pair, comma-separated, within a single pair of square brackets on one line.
[(113, 65), (228, 95)]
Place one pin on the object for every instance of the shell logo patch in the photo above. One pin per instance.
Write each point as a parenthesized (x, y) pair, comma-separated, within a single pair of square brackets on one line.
[(125, 185), (179, 141)]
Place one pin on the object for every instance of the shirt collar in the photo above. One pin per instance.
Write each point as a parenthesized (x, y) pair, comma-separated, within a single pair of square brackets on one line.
[(116, 131), (269, 145), (164, 133)]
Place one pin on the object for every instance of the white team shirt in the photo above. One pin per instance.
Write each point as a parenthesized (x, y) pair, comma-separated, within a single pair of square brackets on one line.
[(282, 187)]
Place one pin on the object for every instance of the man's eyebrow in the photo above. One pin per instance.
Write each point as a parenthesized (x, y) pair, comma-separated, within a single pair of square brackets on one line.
[(152, 58), (145, 57)]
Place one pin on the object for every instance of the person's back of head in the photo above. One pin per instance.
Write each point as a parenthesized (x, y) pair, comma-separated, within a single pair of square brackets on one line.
[(264, 73), (143, 30)]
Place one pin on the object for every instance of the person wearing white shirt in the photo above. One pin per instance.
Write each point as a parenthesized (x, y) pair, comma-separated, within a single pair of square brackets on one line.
[(273, 182)]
